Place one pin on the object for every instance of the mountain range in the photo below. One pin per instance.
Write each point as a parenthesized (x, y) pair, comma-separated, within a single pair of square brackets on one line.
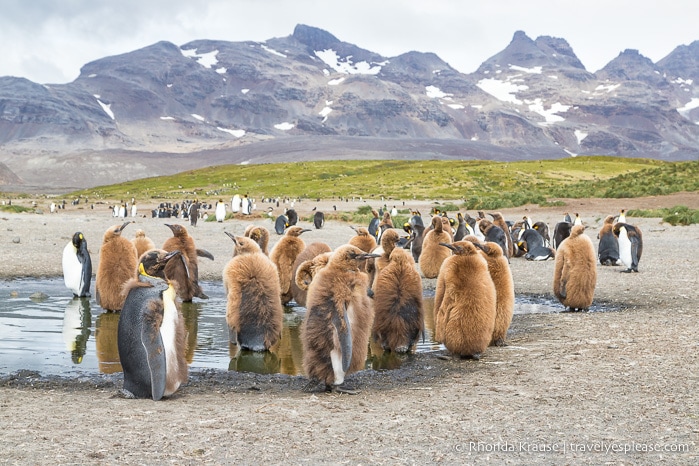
[(165, 108)]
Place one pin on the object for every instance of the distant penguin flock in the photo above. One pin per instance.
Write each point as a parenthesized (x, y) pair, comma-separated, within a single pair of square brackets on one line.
[(367, 290)]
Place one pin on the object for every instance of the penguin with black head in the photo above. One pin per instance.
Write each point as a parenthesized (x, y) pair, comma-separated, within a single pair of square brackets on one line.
[(77, 266), (151, 335)]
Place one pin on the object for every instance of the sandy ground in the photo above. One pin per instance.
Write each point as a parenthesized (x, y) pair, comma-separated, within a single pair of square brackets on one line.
[(616, 387)]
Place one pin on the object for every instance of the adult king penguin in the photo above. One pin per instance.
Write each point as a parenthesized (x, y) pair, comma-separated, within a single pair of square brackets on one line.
[(630, 245), (151, 333), (77, 266)]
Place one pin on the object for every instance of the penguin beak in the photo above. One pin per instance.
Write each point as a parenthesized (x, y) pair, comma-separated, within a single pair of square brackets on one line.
[(231, 236), (365, 256), (305, 230), (447, 245), (121, 228), (169, 256), (353, 227)]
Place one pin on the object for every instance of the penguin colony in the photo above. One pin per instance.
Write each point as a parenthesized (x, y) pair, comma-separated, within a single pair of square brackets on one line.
[(346, 308)]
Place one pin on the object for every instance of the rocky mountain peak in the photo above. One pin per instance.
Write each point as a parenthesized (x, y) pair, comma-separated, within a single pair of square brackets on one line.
[(682, 62), (314, 38), (631, 65)]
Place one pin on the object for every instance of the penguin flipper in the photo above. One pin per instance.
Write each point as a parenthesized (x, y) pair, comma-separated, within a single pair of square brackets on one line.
[(205, 253), (155, 356), (635, 252), (344, 333)]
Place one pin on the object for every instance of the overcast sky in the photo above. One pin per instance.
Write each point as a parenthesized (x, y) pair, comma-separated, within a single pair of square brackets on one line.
[(48, 41)]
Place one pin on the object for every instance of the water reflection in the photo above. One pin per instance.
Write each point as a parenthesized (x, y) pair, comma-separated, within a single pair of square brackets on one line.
[(106, 342), (77, 321), (57, 334)]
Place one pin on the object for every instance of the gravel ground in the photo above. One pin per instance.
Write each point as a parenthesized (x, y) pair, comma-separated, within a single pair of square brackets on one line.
[(613, 387)]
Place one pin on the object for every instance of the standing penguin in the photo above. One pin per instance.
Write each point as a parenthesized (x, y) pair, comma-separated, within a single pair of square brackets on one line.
[(399, 317), (182, 241), (500, 273), (318, 220), (575, 271), (220, 211), (77, 266), (465, 302), (363, 239), (433, 254), (493, 233), (374, 225), (283, 255), (292, 216), (117, 265), (310, 251), (630, 245), (339, 316), (142, 242), (280, 224), (151, 333), (253, 311), (608, 248), (416, 234), (499, 220), (462, 228)]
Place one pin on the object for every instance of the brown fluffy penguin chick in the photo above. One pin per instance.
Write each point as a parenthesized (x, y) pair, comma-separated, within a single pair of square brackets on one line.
[(363, 240), (311, 251), (465, 302), (254, 312), (308, 270), (339, 316), (118, 264), (499, 220), (284, 254), (575, 270), (433, 254), (142, 242), (398, 313), (388, 243), (500, 273), (181, 241), (260, 235)]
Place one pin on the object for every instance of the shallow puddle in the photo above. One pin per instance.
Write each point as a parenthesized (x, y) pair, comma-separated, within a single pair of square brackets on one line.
[(43, 328)]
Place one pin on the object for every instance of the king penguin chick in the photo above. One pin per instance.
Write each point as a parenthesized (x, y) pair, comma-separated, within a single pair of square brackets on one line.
[(433, 254), (608, 248), (307, 270), (253, 312), (183, 242), (339, 316), (575, 271), (630, 245), (363, 239), (151, 334), (117, 265), (500, 273), (260, 235), (465, 302), (77, 266), (142, 242), (310, 251), (398, 312), (283, 255)]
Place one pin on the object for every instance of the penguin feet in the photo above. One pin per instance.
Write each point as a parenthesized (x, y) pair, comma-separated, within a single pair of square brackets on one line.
[(500, 342), (474, 356), (627, 271), (312, 386), (123, 393), (346, 389)]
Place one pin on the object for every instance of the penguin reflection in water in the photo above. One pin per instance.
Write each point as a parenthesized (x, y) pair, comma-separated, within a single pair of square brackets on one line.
[(77, 266), (338, 320), (151, 333)]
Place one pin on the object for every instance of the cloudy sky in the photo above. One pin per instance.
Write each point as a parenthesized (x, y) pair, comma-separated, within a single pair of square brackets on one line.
[(48, 41)]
